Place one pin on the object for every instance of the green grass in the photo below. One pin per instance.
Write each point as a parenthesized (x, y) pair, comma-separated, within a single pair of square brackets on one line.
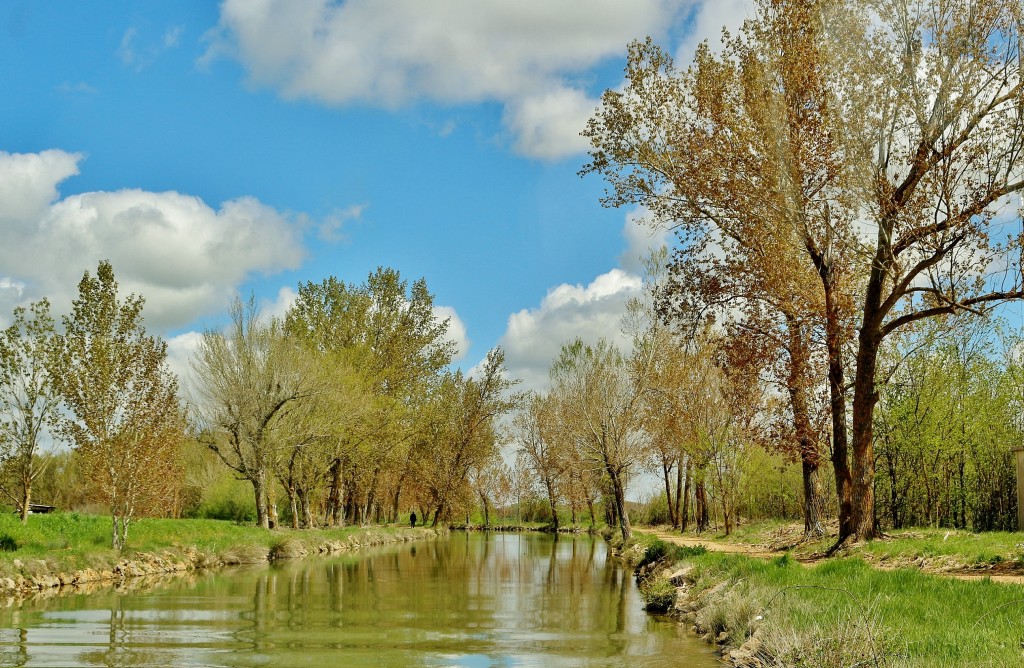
[(72, 541), (910, 618), (941, 548)]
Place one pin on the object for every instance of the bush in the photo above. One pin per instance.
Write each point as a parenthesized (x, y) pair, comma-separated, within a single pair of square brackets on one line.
[(8, 544), (659, 594), (655, 511)]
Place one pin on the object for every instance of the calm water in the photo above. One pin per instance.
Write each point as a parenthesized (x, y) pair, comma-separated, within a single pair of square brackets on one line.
[(469, 600)]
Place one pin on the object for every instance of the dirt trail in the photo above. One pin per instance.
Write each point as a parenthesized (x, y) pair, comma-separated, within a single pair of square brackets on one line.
[(760, 552)]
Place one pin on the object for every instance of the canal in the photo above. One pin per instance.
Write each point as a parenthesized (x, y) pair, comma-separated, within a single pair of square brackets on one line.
[(467, 600)]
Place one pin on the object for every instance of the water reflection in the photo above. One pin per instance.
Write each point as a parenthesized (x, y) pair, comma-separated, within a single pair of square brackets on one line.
[(471, 600)]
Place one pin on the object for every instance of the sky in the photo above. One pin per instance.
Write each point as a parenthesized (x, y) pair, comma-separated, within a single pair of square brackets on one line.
[(214, 150)]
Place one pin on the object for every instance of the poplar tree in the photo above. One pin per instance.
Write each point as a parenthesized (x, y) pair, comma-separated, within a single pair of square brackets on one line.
[(122, 409), (28, 401)]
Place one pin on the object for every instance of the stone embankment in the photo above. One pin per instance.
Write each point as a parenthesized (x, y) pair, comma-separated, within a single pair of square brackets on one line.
[(704, 613), (39, 575)]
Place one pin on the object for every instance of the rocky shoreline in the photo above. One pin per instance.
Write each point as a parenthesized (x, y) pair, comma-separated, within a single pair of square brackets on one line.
[(38, 575)]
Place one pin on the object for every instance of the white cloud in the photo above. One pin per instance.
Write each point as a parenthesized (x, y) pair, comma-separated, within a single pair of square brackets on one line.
[(529, 55), (332, 228), (139, 53), (641, 239), (185, 257), (534, 337), (708, 20), (456, 330), (548, 126), (278, 307), (180, 349)]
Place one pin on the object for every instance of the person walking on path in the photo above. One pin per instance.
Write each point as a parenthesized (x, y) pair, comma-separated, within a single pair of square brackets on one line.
[(412, 519)]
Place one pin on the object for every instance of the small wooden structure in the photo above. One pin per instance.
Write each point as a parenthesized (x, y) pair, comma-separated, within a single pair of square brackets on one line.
[(37, 509)]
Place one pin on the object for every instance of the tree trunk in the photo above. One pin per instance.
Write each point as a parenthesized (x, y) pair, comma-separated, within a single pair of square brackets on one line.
[(837, 398), (26, 499), (798, 380), (666, 470), (334, 496), (259, 491), (619, 494), (551, 501), (701, 506), (294, 505), (307, 512), (487, 516), (864, 399), (684, 517), (679, 492)]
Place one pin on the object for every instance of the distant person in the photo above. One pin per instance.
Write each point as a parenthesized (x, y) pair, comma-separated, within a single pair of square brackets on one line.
[(412, 519)]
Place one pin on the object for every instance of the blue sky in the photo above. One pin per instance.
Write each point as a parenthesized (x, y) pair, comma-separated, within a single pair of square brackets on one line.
[(210, 150)]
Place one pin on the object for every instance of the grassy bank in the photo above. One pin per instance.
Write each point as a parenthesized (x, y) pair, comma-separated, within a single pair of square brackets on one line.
[(843, 612), (952, 550), (66, 543)]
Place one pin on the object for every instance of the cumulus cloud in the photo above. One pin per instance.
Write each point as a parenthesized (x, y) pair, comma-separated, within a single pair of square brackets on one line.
[(641, 240), (530, 56), (708, 19), (456, 330), (183, 255), (180, 350), (534, 336)]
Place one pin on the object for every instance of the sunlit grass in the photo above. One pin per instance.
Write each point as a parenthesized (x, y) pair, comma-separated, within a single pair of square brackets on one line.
[(908, 617), (72, 541)]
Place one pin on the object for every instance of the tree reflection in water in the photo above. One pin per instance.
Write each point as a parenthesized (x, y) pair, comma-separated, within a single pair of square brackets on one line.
[(469, 600)]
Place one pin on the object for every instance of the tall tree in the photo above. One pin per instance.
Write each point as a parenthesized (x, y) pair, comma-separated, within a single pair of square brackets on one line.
[(28, 402), (740, 155), (123, 413), (870, 143), (535, 430), (384, 330), (463, 435), (247, 380), (598, 399), (945, 136)]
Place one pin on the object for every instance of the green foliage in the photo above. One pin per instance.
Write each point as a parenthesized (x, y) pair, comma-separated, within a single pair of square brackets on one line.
[(121, 406), (655, 511), (945, 424)]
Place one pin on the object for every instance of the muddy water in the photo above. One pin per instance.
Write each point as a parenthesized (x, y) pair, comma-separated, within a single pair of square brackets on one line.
[(468, 600)]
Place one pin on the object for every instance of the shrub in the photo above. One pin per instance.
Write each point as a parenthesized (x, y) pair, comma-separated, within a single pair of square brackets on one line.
[(8, 544), (658, 593)]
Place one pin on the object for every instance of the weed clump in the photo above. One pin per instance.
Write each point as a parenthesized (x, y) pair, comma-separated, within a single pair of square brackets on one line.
[(658, 593)]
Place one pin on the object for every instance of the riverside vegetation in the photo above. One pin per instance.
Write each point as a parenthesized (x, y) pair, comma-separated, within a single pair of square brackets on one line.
[(844, 180), (844, 611), (71, 548)]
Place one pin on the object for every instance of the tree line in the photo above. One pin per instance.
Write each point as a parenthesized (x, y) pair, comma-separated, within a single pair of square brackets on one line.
[(836, 173)]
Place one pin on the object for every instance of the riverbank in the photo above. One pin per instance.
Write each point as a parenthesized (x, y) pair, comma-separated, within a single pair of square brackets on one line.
[(541, 527), (835, 612), (71, 549), (998, 554)]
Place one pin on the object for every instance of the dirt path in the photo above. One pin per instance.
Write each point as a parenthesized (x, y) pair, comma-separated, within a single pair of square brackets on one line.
[(760, 553)]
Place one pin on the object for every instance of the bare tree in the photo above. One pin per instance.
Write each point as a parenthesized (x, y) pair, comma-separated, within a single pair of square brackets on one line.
[(599, 402), (248, 379)]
